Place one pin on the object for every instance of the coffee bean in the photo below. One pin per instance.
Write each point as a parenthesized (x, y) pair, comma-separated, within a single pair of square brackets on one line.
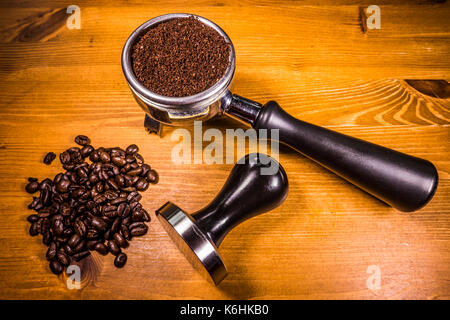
[(64, 157), (63, 258), (135, 172), (56, 267), (58, 227), (113, 247), (33, 218), (99, 224), (120, 260), (89, 204), (119, 161), (132, 149), (152, 177), (51, 252), (120, 240), (34, 229), (81, 255), (74, 240), (32, 187), (104, 157), (142, 184), (47, 238), (63, 185), (49, 157), (101, 248), (125, 232), (82, 140), (138, 229), (86, 151), (80, 228)]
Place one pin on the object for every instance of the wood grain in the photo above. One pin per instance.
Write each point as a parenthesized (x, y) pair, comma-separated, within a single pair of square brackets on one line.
[(312, 57)]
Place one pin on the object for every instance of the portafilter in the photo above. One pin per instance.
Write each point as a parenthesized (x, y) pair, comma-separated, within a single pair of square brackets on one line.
[(403, 181)]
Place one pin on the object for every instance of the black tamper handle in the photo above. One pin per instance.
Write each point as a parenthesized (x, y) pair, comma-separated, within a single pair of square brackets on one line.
[(405, 182), (248, 191)]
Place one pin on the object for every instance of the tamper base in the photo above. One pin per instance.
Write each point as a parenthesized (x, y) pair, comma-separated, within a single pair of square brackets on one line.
[(198, 249)]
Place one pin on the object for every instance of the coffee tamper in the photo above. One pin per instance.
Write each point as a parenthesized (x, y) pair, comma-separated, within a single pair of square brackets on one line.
[(246, 193)]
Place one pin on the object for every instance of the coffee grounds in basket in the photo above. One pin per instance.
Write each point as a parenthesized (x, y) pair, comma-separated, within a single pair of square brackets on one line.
[(180, 57)]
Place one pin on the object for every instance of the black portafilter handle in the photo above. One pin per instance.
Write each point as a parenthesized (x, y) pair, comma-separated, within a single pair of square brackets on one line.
[(256, 184), (405, 182), (246, 193)]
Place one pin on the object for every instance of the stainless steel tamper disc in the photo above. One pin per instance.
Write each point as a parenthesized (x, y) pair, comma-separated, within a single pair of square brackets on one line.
[(200, 251), (246, 193)]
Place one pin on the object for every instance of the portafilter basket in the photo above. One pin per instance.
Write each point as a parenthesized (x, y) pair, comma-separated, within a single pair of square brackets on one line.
[(403, 181)]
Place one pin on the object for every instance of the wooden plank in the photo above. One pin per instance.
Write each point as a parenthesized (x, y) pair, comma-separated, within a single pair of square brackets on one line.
[(414, 43), (312, 57)]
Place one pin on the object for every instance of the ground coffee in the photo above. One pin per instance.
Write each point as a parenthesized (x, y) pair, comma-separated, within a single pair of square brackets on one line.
[(180, 57)]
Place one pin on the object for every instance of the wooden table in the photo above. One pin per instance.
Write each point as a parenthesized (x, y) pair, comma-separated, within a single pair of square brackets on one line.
[(319, 60)]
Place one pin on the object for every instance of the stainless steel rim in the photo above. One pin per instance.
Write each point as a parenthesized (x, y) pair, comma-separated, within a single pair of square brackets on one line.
[(196, 246), (195, 103)]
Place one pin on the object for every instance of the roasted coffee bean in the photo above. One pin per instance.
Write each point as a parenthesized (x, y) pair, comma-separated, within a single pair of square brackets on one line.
[(104, 156), (51, 252), (120, 260), (125, 232), (74, 240), (47, 238), (152, 177), (63, 185), (132, 149), (89, 204), (56, 267), (113, 247), (64, 157), (79, 247), (82, 140), (34, 229), (49, 157), (135, 172), (33, 218), (99, 224), (101, 248), (86, 151), (112, 184), (120, 240), (139, 158), (119, 161), (67, 232), (94, 156), (45, 225), (100, 199), (80, 228), (118, 200), (81, 255), (32, 187), (142, 184), (58, 227), (33, 203), (138, 231), (92, 234), (115, 227), (145, 169), (63, 258)]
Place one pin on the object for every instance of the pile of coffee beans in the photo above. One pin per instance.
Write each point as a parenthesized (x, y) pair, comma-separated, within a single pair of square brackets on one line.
[(92, 205), (180, 57)]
